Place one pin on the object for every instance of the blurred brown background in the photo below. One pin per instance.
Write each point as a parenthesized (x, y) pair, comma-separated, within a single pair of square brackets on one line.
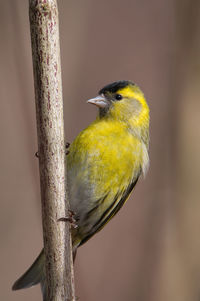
[(151, 249)]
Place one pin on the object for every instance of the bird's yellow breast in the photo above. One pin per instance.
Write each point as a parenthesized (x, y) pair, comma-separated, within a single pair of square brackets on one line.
[(107, 154)]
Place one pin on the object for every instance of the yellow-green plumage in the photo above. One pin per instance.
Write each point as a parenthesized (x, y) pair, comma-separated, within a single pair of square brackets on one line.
[(104, 163)]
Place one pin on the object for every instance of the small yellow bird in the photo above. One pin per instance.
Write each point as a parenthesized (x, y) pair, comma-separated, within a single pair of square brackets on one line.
[(103, 165)]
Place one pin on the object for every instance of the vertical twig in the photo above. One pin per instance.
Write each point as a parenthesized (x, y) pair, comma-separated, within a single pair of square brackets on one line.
[(50, 127)]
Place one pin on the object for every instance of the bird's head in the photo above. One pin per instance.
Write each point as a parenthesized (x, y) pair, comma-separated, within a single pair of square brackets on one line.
[(123, 101)]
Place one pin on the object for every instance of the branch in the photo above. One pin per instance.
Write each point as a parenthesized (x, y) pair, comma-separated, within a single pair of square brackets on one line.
[(50, 128)]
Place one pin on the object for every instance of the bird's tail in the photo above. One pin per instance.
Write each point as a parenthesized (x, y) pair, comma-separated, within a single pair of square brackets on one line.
[(33, 276)]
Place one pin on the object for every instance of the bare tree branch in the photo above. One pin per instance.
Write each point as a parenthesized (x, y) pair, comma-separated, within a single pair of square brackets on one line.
[(50, 127)]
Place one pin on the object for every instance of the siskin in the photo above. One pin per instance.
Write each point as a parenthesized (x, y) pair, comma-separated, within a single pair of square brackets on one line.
[(103, 165)]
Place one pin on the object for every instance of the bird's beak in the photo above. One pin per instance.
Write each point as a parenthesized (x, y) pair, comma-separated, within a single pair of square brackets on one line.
[(99, 101)]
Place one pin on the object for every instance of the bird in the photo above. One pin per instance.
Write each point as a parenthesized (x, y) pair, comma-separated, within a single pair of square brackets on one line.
[(104, 163)]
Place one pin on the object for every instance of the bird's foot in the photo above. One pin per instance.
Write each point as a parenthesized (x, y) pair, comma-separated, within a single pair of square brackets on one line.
[(69, 219), (67, 145)]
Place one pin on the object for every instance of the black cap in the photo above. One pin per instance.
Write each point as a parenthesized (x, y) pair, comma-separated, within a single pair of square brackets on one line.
[(114, 87)]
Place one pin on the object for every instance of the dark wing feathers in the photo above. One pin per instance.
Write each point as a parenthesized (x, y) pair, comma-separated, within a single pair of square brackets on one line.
[(111, 210)]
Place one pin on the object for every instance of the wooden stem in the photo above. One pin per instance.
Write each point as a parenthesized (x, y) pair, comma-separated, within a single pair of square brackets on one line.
[(44, 27)]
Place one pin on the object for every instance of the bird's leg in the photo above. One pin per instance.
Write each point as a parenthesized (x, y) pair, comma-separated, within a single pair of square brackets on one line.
[(69, 219), (67, 145)]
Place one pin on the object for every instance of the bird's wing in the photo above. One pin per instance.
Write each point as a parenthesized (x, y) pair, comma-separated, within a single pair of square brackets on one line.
[(118, 201)]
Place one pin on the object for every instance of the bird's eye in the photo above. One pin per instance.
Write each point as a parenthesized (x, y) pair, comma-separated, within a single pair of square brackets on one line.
[(118, 97)]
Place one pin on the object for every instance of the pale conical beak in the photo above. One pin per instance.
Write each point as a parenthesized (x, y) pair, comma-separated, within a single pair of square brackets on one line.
[(99, 101)]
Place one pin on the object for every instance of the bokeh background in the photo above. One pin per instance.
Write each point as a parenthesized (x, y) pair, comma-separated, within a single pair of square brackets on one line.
[(151, 249)]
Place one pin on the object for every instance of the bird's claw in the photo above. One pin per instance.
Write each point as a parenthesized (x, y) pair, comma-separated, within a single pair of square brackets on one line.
[(67, 145), (69, 219)]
